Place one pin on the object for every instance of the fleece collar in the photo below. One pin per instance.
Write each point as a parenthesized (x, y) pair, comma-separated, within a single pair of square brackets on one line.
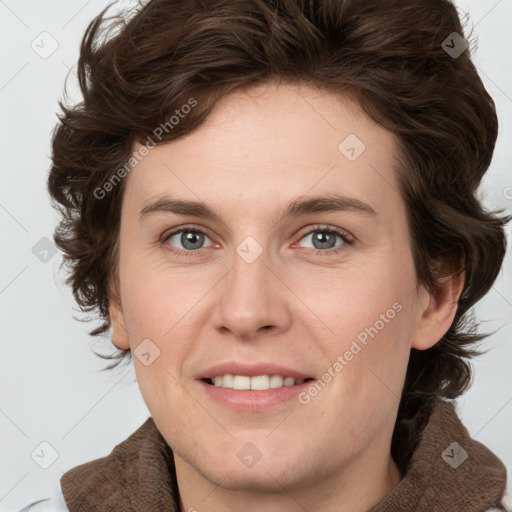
[(448, 472)]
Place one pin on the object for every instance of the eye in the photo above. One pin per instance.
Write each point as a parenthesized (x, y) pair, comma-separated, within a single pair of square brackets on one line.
[(323, 239), (191, 239)]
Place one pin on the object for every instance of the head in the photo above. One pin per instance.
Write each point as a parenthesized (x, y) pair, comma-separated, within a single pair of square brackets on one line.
[(251, 108)]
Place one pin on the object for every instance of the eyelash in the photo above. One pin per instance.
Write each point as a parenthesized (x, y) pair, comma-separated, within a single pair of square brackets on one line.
[(346, 238)]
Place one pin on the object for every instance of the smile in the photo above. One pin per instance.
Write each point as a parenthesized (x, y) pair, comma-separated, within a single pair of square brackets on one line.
[(257, 383)]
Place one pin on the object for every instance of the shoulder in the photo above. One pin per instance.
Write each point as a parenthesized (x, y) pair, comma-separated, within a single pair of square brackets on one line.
[(505, 504), (52, 503)]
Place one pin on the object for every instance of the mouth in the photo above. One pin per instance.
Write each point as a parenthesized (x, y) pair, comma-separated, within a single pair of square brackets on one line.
[(253, 394), (254, 386), (255, 383)]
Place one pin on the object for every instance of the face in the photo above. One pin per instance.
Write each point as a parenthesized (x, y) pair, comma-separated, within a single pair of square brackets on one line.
[(265, 285)]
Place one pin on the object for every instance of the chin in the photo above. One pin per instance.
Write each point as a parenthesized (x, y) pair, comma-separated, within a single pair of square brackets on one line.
[(262, 477), (264, 480)]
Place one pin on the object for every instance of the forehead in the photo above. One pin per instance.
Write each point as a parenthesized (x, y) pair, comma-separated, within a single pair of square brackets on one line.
[(263, 145)]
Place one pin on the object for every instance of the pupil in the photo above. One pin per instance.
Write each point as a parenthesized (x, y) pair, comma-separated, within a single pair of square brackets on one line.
[(191, 237), (323, 239)]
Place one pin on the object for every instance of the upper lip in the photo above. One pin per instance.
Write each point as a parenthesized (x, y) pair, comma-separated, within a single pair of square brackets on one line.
[(251, 370)]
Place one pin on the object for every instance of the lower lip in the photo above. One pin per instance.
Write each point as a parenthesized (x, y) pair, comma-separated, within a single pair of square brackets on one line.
[(252, 400)]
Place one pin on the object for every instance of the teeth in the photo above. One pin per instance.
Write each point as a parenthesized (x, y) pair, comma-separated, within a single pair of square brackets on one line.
[(276, 381), (241, 382), (260, 382)]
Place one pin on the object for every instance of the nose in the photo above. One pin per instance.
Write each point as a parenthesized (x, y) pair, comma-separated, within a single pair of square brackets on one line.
[(254, 298)]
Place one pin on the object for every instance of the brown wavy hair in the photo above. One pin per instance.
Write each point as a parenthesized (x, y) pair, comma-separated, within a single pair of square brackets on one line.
[(137, 68)]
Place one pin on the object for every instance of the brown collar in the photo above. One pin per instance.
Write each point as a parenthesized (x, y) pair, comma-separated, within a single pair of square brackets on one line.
[(441, 478), (139, 474)]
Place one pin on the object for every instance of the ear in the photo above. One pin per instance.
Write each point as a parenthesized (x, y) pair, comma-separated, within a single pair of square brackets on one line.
[(437, 310), (117, 323)]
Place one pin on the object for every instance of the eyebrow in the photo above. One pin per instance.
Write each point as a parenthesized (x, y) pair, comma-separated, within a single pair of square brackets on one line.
[(295, 208)]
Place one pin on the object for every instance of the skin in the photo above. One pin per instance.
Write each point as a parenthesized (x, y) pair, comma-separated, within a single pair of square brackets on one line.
[(261, 148)]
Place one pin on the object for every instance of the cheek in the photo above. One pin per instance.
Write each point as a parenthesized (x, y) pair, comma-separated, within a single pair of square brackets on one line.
[(372, 301), (155, 298), (371, 316)]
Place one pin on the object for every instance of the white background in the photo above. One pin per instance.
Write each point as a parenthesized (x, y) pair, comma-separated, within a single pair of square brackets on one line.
[(51, 388)]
